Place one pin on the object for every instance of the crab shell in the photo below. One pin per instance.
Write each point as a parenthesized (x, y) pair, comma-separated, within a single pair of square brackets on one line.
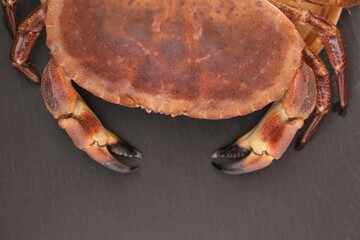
[(205, 59)]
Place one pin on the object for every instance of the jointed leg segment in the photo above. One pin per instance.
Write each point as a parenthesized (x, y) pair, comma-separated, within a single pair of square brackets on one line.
[(80, 122), (10, 15), (323, 96), (25, 38), (332, 41)]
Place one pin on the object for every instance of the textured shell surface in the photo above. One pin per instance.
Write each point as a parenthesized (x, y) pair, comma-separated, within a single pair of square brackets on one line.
[(208, 59)]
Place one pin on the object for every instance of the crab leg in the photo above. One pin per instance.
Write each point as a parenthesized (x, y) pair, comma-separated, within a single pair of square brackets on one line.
[(340, 3), (82, 125), (10, 16), (332, 41), (271, 137), (323, 99), (25, 38)]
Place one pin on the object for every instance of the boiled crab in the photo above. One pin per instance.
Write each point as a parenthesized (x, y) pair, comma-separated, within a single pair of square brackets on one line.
[(207, 59)]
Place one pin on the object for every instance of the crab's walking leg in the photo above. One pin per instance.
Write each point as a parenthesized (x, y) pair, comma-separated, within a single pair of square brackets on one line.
[(332, 41), (25, 39), (323, 99), (340, 3), (80, 122), (271, 137), (10, 15)]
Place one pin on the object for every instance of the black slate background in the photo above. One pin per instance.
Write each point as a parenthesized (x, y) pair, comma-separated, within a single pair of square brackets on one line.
[(50, 190)]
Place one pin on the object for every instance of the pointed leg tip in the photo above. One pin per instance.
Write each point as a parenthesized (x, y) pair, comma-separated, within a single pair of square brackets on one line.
[(28, 71), (299, 145), (342, 112), (12, 33), (35, 80), (123, 149), (337, 107)]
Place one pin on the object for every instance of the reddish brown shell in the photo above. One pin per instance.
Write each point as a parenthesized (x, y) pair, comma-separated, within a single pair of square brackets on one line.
[(209, 59)]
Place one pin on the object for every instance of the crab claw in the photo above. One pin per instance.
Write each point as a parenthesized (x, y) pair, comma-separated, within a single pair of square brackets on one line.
[(81, 124), (270, 138), (248, 160), (100, 144), (250, 163), (266, 142), (111, 156)]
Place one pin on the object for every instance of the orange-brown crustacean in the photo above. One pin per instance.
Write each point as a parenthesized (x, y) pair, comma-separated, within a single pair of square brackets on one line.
[(208, 59)]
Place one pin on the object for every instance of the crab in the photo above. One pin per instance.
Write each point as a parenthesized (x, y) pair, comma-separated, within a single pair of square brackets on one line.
[(207, 59)]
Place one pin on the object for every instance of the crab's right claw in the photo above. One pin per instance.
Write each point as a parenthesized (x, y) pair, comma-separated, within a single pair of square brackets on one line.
[(248, 162), (269, 139), (266, 142), (81, 124)]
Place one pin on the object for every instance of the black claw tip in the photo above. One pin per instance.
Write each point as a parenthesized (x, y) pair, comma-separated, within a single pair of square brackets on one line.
[(338, 108), (299, 145), (117, 166), (342, 112), (231, 151), (123, 149), (232, 169)]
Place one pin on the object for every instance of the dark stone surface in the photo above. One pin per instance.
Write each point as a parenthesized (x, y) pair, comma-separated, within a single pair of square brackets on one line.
[(50, 190)]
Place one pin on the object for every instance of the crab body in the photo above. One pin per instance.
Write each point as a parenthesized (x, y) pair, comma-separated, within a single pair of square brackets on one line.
[(203, 59), (180, 58)]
